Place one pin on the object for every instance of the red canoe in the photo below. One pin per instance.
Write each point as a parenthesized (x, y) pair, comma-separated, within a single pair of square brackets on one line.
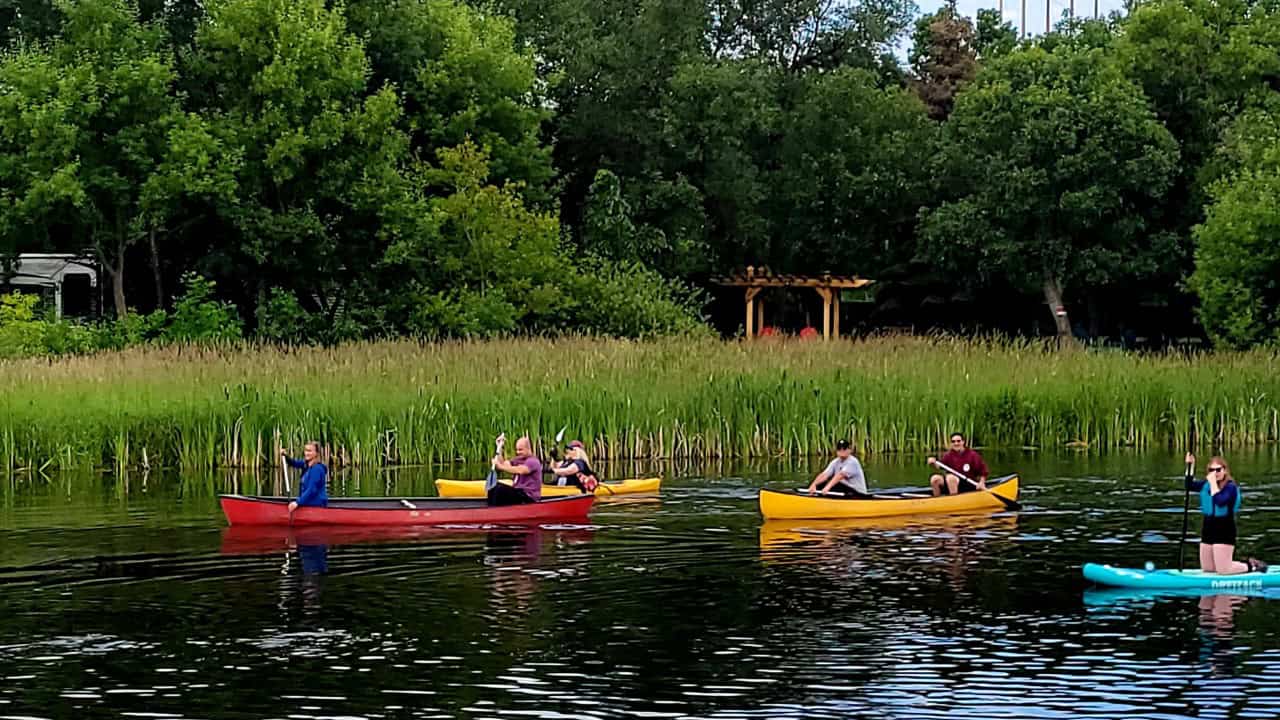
[(242, 510)]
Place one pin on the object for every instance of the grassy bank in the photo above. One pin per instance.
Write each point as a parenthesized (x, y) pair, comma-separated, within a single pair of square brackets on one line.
[(402, 402)]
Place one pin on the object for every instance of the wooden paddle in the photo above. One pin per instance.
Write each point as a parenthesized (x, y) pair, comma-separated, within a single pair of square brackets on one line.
[(284, 465), (1008, 504), (491, 481)]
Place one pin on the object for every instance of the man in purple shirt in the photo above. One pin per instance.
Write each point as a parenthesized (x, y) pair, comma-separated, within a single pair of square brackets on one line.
[(527, 470)]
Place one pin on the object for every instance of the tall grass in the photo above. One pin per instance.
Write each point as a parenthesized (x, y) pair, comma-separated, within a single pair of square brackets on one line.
[(405, 402)]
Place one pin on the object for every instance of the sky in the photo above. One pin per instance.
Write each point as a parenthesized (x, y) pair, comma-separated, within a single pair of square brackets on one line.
[(1013, 12)]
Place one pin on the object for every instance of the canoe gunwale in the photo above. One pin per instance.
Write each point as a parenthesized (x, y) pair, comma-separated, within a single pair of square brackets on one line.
[(799, 505), (923, 494)]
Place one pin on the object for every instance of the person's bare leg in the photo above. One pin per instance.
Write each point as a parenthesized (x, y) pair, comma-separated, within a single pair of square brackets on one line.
[(953, 484), (1222, 560), (1206, 558), (935, 482)]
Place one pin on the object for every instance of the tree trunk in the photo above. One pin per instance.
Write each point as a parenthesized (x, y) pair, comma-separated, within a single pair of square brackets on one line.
[(1053, 297), (155, 270), (116, 272)]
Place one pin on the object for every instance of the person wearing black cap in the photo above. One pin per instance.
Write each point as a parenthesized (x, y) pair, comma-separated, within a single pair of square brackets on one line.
[(576, 469), (844, 474)]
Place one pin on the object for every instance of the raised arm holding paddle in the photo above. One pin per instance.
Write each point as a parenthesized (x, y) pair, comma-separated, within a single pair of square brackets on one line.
[(312, 491), (527, 469), (961, 463)]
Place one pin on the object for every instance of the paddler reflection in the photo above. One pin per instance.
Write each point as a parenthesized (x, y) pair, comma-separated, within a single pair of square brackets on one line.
[(1217, 633), (519, 558)]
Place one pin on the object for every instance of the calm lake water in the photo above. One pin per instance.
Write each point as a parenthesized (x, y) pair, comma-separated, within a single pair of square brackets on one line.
[(136, 601)]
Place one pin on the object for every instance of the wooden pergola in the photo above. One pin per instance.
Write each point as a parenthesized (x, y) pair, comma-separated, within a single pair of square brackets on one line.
[(753, 280)]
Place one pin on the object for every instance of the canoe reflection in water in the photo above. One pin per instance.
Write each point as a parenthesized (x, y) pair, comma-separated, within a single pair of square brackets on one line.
[(513, 553), (868, 543)]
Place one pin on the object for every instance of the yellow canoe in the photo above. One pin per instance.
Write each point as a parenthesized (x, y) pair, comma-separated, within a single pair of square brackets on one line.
[(797, 505), (475, 488)]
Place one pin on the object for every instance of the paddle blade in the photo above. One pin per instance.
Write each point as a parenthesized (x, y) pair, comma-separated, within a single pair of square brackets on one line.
[(491, 481), (1009, 504)]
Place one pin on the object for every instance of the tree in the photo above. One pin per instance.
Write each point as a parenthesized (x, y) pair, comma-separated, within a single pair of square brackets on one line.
[(460, 75), (994, 36), (1053, 163), (720, 122), (1174, 50), (852, 173), (1238, 261), (943, 58), (1237, 258), (325, 183), (800, 35), (608, 230), (85, 128)]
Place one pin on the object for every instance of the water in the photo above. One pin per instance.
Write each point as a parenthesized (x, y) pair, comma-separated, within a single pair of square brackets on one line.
[(136, 602)]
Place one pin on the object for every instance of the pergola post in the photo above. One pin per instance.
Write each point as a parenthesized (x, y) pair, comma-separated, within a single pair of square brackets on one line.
[(835, 314), (751, 294), (826, 311)]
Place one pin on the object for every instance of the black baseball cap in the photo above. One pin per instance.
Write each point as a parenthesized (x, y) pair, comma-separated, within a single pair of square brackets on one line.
[(842, 444)]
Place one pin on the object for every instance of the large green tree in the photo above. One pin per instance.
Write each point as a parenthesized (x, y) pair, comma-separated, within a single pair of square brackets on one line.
[(325, 183), (1237, 258), (88, 127), (853, 171), (1053, 164), (461, 75)]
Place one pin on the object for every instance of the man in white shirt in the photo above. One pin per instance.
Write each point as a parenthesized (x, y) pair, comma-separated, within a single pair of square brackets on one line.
[(843, 476)]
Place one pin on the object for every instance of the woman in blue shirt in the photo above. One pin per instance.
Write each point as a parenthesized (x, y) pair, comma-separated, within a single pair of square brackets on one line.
[(311, 489), (1219, 504)]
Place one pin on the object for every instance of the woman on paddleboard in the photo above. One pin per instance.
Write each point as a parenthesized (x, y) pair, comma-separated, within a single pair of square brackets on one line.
[(1219, 503)]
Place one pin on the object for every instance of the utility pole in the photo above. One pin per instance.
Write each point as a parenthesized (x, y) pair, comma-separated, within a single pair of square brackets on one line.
[(1023, 26), (1047, 12)]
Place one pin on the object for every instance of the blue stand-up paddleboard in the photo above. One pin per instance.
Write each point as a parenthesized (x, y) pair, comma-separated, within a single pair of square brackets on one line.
[(1179, 579)]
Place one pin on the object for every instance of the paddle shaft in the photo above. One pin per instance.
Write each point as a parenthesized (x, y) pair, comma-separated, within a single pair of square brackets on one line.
[(1009, 504), (1186, 510), (284, 465)]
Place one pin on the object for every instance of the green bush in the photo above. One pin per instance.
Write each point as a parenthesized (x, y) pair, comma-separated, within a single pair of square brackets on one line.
[(133, 329), (282, 319), (197, 315), (464, 313), (21, 335), (65, 337), (631, 300)]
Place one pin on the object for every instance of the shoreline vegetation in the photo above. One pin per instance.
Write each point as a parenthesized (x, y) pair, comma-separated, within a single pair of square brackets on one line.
[(232, 405)]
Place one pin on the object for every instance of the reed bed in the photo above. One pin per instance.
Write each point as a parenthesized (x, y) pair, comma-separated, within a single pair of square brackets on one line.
[(402, 402)]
